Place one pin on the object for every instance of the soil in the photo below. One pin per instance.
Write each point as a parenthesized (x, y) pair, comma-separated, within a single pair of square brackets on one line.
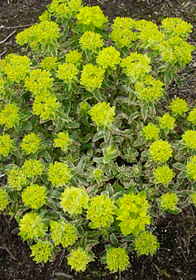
[(175, 259)]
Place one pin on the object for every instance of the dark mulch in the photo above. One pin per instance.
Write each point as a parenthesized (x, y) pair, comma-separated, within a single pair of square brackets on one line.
[(176, 258)]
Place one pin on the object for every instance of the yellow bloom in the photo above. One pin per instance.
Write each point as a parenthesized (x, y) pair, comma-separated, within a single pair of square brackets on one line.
[(34, 196), (192, 116), (62, 141), (151, 131), (108, 58), (163, 174), (59, 174), (17, 67), (160, 151), (9, 115), (6, 144), (78, 259), (167, 122), (178, 106), (92, 17), (30, 143), (92, 77), (189, 139), (74, 57), (91, 41), (67, 72), (191, 168), (136, 66), (49, 63), (117, 259), (102, 114)]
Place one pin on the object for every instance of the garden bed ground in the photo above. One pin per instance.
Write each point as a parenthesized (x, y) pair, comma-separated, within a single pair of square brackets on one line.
[(176, 234)]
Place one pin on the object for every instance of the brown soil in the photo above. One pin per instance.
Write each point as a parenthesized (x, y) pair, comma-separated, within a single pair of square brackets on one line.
[(175, 259)]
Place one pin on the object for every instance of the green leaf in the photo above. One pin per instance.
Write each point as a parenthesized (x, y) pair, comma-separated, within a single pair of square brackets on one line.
[(144, 111), (98, 136), (47, 156), (174, 212), (179, 166), (114, 239), (97, 95), (133, 116)]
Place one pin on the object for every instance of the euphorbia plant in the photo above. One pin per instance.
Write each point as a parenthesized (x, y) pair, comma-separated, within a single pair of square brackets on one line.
[(84, 146)]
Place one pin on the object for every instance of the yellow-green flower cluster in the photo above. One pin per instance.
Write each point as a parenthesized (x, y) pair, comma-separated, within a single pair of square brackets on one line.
[(16, 178), (151, 131), (92, 76), (2, 87), (67, 72), (34, 196), (191, 168), (9, 115), (49, 63), (92, 17), (149, 89), (163, 175), (17, 67), (31, 226), (39, 81), (146, 243), (62, 141), (59, 173), (102, 114), (2, 66), (63, 233), (175, 51), (74, 57), (45, 105), (160, 151), (74, 200), (193, 198), (84, 107), (175, 26), (108, 58), (42, 251), (78, 259), (149, 34), (31, 143), (166, 122), (45, 16), (64, 9), (32, 168), (6, 144), (3, 200), (132, 213), (168, 201), (91, 41), (117, 259), (136, 66), (101, 212), (123, 33), (192, 116), (189, 139), (42, 35), (178, 106)]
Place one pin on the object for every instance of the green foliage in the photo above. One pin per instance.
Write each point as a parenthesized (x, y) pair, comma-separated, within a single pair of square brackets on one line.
[(88, 153)]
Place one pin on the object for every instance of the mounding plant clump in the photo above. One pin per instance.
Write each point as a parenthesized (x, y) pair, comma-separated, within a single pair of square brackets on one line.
[(91, 147)]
